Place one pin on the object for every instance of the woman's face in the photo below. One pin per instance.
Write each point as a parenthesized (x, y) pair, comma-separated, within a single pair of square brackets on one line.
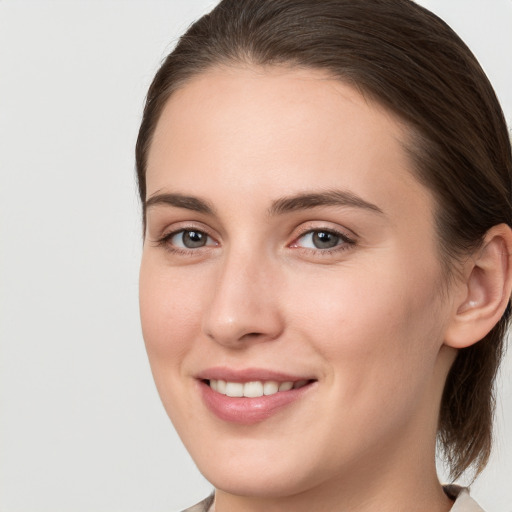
[(289, 244)]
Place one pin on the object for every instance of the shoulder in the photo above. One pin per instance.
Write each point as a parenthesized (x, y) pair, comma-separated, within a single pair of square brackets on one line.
[(463, 501)]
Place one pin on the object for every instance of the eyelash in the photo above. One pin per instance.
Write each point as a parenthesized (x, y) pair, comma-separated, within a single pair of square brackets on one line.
[(165, 240), (345, 242)]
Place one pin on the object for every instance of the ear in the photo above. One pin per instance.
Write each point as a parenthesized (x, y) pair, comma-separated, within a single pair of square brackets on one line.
[(485, 291)]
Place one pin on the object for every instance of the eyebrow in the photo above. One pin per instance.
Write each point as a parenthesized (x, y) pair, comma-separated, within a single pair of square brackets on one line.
[(180, 201), (279, 206), (316, 199)]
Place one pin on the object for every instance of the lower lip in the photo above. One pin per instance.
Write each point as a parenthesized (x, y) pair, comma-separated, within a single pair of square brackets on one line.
[(247, 411)]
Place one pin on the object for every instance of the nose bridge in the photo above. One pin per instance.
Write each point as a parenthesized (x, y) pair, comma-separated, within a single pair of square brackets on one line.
[(243, 304)]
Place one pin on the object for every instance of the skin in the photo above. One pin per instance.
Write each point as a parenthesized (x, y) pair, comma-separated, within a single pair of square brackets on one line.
[(367, 319)]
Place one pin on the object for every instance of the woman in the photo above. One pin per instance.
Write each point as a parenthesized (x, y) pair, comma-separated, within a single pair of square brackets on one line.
[(326, 272)]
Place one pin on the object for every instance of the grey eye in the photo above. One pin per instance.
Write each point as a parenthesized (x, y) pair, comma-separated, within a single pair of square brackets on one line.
[(320, 240), (189, 239), (325, 239)]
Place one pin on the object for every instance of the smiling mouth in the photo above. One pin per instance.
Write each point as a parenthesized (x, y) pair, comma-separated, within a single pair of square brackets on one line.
[(254, 389)]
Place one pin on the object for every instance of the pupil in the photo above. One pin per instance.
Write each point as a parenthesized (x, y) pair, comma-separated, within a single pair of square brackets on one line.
[(192, 239), (325, 240)]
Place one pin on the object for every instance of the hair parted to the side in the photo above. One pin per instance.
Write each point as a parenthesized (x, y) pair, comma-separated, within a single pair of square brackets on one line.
[(410, 61)]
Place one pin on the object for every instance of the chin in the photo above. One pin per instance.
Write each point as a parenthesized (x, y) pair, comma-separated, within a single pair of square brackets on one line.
[(258, 482), (260, 469)]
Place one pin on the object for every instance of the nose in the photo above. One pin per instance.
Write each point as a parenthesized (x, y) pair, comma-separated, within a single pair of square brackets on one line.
[(243, 308)]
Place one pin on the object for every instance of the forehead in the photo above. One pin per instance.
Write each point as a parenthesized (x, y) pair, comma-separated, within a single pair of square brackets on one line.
[(284, 128), (254, 102)]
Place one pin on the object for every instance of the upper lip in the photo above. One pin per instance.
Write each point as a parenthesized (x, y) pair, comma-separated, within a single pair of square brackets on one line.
[(249, 375)]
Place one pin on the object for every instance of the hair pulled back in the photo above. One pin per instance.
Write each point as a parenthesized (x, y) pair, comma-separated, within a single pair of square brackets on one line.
[(411, 62)]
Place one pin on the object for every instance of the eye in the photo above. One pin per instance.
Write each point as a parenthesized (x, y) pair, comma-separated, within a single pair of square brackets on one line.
[(189, 239), (321, 239)]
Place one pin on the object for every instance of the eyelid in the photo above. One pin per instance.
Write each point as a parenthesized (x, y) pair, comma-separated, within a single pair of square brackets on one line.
[(315, 226), (164, 239), (186, 225), (346, 240), (347, 237), (170, 237)]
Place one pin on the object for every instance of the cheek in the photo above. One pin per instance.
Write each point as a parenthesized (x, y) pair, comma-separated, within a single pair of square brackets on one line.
[(377, 308), (169, 309), (380, 342), (380, 334)]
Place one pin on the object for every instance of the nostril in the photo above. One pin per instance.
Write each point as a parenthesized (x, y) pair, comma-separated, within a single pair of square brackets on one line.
[(236, 323), (249, 337)]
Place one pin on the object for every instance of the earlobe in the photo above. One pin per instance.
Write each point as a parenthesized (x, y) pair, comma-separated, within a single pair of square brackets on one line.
[(485, 291)]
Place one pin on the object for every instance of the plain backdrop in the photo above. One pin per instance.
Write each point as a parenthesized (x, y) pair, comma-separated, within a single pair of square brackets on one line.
[(81, 425)]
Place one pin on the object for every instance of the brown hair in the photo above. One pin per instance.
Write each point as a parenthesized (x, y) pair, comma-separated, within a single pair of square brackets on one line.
[(410, 61)]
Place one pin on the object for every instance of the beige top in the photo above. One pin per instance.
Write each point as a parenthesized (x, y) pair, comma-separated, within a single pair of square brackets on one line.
[(463, 502)]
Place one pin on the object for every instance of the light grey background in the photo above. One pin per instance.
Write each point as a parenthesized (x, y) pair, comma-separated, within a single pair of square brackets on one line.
[(81, 426)]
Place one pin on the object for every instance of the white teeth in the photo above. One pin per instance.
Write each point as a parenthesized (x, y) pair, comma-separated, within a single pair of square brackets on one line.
[(221, 386), (285, 386), (234, 389), (270, 387), (254, 389)]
